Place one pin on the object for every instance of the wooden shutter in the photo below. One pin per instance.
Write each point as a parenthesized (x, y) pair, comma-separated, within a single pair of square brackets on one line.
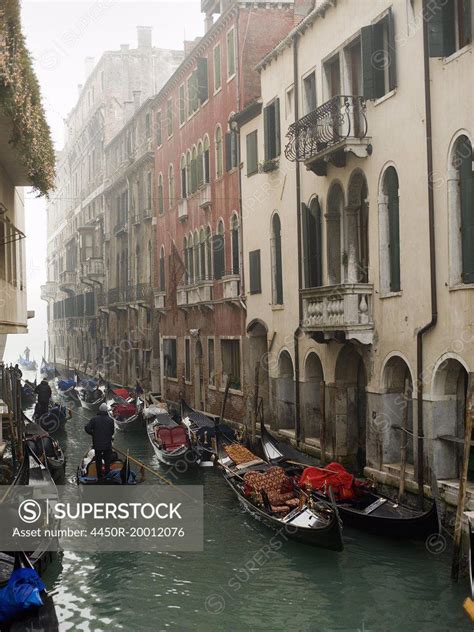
[(306, 228), (218, 256), (468, 21), (202, 78), (316, 245), (467, 211), (255, 272), (392, 51), (266, 138), (228, 151), (379, 58), (278, 271), (394, 230), (277, 128), (441, 28), (235, 251), (207, 169), (368, 77), (252, 156)]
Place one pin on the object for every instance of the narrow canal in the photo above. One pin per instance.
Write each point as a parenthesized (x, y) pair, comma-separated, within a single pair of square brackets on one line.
[(375, 584)]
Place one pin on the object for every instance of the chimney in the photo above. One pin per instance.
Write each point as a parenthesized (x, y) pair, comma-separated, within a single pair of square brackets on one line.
[(88, 66), (144, 36), (303, 7), (136, 98)]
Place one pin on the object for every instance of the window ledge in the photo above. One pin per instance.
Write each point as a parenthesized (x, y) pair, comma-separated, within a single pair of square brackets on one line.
[(459, 53), (277, 308), (188, 382), (218, 90), (233, 391), (385, 97), (390, 294), (461, 286), (212, 387), (171, 379), (229, 79)]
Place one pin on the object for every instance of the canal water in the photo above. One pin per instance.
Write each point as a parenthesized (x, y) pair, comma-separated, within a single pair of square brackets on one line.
[(376, 584)]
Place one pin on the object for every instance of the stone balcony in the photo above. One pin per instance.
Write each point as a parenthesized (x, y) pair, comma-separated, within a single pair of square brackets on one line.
[(49, 290), (93, 270), (231, 286), (204, 197), (67, 281), (339, 312), (160, 299), (199, 293), (182, 209)]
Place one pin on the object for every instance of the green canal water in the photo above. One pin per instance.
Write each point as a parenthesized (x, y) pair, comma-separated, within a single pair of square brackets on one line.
[(374, 585)]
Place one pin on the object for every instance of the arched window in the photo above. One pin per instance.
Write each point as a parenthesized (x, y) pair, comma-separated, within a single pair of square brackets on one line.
[(162, 269), (209, 252), (207, 160), (182, 166), (461, 207), (149, 262), (197, 271), (234, 228), (161, 202), (137, 264), (190, 259), (312, 244), (170, 185), (186, 262), (335, 206), (188, 174), (194, 177), (200, 165), (390, 232), (219, 163), (202, 253), (277, 270), (218, 251)]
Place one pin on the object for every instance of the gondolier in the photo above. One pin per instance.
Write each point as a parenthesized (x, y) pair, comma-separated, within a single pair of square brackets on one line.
[(43, 390), (101, 428)]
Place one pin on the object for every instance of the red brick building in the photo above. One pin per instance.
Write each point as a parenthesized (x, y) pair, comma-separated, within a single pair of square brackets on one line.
[(200, 296)]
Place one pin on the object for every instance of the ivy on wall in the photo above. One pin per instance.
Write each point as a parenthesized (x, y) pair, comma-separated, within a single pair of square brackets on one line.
[(20, 101)]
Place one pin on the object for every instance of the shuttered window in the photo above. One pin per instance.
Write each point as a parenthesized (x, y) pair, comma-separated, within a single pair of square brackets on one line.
[(255, 272), (391, 188), (466, 189), (203, 80), (230, 151), (162, 271), (169, 357), (217, 68), (271, 121), (379, 57), (277, 269), (182, 105), (252, 153), (312, 244), (159, 133), (218, 256), (449, 26), (235, 245)]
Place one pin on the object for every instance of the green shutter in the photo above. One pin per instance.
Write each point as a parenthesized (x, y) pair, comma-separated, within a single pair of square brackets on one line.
[(368, 76), (392, 51), (466, 175), (252, 157), (228, 151), (441, 28), (218, 256), (277, 129), (306, 228), (266, 138), (316, 245), (468, 21), (379, 58), (394, 229), (255, 272), (202, 79)]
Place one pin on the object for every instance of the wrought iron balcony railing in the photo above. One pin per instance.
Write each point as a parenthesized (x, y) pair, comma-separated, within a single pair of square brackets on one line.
[(339, 119)]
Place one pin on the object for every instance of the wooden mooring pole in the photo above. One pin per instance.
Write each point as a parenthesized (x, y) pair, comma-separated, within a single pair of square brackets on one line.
[(463, 482)]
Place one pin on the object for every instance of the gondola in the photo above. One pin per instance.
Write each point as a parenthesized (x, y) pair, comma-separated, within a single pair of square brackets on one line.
[(27, 394), (27, 365), (42, 619), (54, 419), (363, 508), (125, 410), (201, 430), (270, 496), (47, 370), (169, 440), (91, 398), (120, 471), (35, 475), (46, 449), (67, 391)]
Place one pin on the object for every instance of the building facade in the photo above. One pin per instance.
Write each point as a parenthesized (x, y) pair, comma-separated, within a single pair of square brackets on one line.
[(26, 159), (78, 224), (359, 297), (200, 296)]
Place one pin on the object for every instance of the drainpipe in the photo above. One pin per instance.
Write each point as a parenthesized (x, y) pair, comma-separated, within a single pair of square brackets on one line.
[(296, 336), (434, 300)]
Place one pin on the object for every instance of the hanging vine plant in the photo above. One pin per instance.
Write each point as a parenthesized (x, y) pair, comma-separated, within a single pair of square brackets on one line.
[(20, 101)]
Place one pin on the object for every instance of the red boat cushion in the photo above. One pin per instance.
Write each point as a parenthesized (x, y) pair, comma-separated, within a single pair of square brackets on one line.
[(333, 475), (125, 410), (122, 392), (171, 438)]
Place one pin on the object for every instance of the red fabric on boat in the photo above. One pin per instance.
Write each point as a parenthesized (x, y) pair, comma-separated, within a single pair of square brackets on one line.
[(122, 392), (125, 410), (333, 475), (172, 438)]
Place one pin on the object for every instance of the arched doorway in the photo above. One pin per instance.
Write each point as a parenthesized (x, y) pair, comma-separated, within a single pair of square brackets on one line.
[(285, 393), (311, 397), (398, 410), (258, 356), (357, 230), (199, 397), (450, 385), (349, 432)]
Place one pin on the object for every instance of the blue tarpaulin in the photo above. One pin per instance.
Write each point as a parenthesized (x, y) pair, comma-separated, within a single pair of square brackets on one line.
[(65, 385), (21, 593)]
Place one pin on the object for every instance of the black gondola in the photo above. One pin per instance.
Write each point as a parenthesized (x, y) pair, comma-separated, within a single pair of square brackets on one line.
[(28, 395), (53, 419), (169, 440), (42, 619), (120, 471), (367, 510), (300, 518), (46, 449)]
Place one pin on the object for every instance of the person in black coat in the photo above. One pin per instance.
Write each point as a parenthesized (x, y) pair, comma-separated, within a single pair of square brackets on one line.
[(101, 428), (43, 390)]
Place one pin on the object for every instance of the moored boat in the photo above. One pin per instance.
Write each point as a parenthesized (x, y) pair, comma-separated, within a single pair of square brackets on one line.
[(271, 496), (26, 364), (47, 450), (53, 419), (126, 410), (359, 504), (28, 395), (120, 471), (47, 370), (67, 391), (169, 440), (91, 396)]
